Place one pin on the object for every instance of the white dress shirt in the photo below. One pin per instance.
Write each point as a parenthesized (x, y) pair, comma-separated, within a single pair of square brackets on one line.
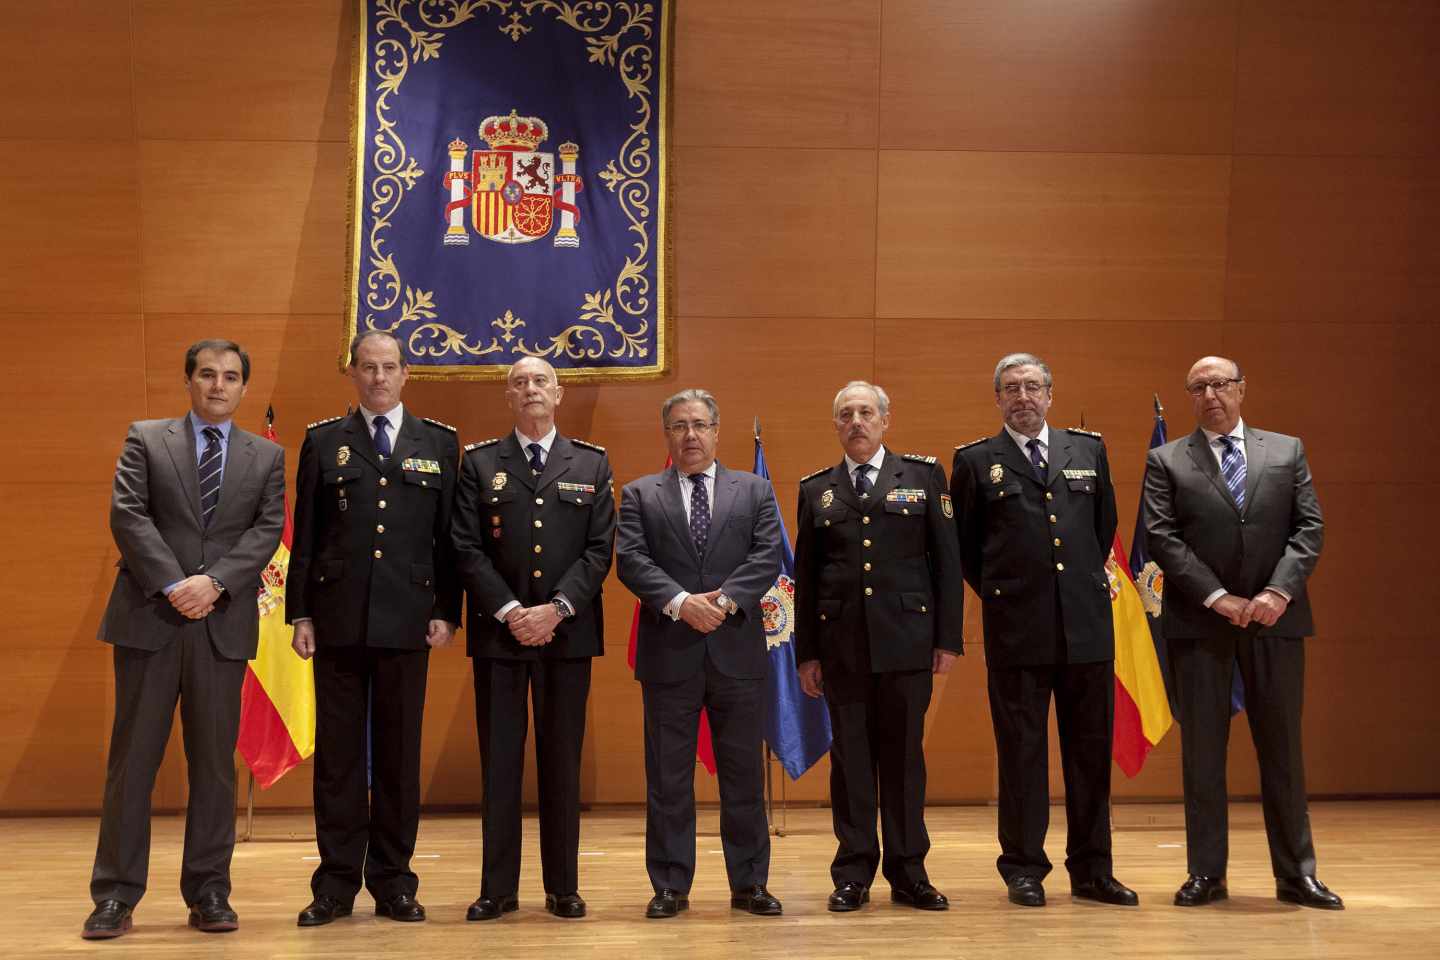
[(1020, 440), (687, 487), (874, 463), (395, 416)]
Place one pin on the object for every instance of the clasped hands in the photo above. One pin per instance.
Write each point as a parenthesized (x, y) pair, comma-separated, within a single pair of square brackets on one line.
[(194, 597), (1264, 608), (533, 626), (701, 611)]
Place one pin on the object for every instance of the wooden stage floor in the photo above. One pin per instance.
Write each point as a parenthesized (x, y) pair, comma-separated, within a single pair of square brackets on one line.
[(1382, 857)]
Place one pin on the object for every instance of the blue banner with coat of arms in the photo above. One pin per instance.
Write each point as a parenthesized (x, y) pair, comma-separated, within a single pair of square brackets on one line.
[(510, 185)]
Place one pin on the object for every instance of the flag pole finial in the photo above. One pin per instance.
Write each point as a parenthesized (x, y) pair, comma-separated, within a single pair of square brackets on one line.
[(757, 428), (270, 415), (1159, 409)]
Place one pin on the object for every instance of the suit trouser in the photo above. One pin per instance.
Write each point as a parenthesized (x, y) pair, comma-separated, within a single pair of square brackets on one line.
[(147, 685), (1273, 669), (560, 689), (672, 725), (367, 829), (1085, 716), (878, 720)]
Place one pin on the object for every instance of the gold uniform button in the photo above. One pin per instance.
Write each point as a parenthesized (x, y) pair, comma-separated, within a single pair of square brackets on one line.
[(539, 549), (424, 483), (867, 543), (922, 609), (379, 528), (1049, 495), (1060, 567), (1057, 541), (869, 591), (536, 574), (905, 511), (384, 482), (539, 501), (822, 616), (864, 519), (579, 499), (539, 523), (494, 499), (1052, 519), (379, 554), (867, 567), (382, 504), (997, 591), (827, 523)]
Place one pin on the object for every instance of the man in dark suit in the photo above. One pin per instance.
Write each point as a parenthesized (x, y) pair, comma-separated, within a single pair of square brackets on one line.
[(878, 610), (372, 587), (197, 511), (534, 530), (1035, 515), (1232, 520), (699, 545)]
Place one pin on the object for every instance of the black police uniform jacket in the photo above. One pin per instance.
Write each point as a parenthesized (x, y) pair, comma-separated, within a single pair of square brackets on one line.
[(371, 562), (1029, 548), (526, 538), (877, 581)]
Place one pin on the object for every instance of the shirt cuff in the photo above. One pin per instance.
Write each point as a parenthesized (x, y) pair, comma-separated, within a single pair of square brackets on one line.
[(1282, 593), (500, 614), (166, 589), (672, 609), (299, 620), (1210, 600)]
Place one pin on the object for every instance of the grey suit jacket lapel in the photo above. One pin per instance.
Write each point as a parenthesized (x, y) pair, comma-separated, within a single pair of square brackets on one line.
[(180, 443), (239, 457), (1255, 457), (727, 486), (1198, 447)]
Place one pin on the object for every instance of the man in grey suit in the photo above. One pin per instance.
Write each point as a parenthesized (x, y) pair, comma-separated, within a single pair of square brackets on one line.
[(1232, 520), (197, 511), (700, 573)]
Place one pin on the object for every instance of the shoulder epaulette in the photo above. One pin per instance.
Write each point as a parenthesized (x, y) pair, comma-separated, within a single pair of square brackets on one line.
[(915, 457), (588, 445), (1084, 433), (967, 446), (481, 443), (321, 423), (812, 476), (437, 423)]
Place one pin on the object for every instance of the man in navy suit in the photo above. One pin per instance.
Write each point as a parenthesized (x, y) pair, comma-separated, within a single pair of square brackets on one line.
[(700, 546)]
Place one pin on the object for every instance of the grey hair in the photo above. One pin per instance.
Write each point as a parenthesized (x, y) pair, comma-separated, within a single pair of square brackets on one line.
[(692, 395), (881, 397), (364, 335), (1022, 360)]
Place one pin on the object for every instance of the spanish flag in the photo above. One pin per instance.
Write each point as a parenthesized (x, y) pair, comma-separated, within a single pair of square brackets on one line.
[(277, 702), (1142, 710)]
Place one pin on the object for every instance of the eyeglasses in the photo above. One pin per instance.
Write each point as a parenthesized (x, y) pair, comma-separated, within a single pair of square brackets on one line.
[(1029, 386), (1221, 385), (681, 427)]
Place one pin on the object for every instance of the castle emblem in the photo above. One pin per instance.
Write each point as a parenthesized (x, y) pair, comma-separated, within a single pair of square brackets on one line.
[(512, 190)]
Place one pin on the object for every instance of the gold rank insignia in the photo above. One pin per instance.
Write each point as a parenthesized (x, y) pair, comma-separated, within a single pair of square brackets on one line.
[(946, 507), (342, 456), (827, 498), (498, 483), (997, 473)]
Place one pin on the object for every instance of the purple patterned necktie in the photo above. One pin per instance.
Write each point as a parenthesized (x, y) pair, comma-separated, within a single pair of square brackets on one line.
[(1036, 461), (699, 513), (862, 479), (537, 461), (210, 474)]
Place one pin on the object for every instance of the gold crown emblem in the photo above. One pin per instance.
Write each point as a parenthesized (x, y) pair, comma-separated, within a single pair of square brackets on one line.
[(513, 131)]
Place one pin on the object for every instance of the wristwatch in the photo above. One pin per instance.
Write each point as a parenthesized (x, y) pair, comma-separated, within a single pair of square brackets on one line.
[(219, 587), (561, 607), (726, 604)]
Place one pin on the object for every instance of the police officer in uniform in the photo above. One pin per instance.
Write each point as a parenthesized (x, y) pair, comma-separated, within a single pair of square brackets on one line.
[(878, 600), (371, 588), (534, 529), (1035, 514)]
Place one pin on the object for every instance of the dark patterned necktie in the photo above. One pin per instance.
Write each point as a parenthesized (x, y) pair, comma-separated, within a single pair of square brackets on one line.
[(699, 512), (1232, 464), (1037, 462), (382, 439), (537, 460), (862, 479), (210, 474)]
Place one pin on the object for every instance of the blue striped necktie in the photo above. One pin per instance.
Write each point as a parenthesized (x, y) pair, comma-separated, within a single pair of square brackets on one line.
[(210, 474), (1232, 464)]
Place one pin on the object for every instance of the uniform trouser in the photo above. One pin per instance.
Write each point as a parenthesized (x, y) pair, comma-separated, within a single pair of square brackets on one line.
[(147, 685), (878, 722), (1273, 669), (1085, 715), (672, 725), (560, 689), (367, 830)]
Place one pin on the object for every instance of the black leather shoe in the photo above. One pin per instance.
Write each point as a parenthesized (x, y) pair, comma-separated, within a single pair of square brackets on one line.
[(666, 903), (922, 896), (848, 896), (212, 914), (1308, 892), (322, 910), (757, 900), (401, 907), (568, 905), (1197, 891), (108, 920), (1026, 891), (1105, 890), (490, 908)]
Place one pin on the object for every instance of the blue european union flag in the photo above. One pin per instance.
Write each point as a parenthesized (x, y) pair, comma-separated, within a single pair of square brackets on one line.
[(797, 727)]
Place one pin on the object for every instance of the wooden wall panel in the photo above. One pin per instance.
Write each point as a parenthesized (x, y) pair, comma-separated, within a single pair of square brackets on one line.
[(898, 191), (1123, 76), (1350, 77)]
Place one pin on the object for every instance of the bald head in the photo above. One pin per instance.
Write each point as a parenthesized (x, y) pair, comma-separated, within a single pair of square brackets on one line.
[(532, 392), (1216, 388), (1224, 363)]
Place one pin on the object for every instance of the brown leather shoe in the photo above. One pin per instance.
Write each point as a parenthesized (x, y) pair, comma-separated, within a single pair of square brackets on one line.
[(108, 920)]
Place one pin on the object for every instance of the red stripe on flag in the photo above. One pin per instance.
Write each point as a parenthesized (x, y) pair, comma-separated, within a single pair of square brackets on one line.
[(1130, 747), (264, 740)]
